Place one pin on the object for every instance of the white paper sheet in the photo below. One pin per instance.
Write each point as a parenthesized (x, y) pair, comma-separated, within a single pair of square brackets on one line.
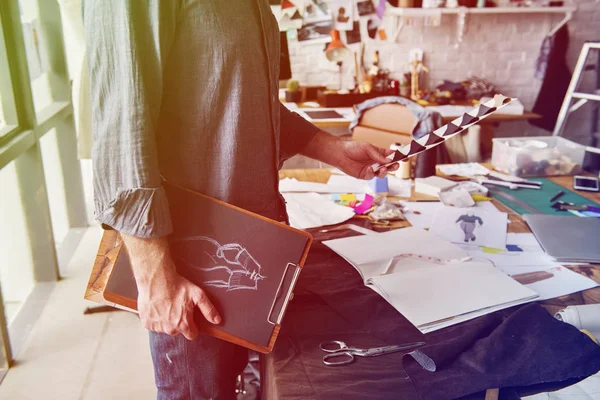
[(464, 169), (513, 259), (531, 253), (399, 187), (473, 315), (549, 283), (354, 185), (310, 210), (524, 239), (471, 225)]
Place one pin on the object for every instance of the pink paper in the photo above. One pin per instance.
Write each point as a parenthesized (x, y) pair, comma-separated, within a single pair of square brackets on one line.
[(365, 205)]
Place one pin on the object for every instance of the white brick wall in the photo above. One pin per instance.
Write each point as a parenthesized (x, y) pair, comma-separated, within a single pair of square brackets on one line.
[(502, 48)]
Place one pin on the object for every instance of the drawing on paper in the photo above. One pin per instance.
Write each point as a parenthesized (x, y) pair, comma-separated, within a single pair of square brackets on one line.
[(229, 266), (468, 223), (473, 226)]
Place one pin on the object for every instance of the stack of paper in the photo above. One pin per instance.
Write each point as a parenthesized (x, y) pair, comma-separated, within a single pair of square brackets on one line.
[(431, 295)]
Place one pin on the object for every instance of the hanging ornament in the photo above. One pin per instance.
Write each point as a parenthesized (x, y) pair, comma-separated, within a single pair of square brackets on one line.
[(461, 20), (381, 8)]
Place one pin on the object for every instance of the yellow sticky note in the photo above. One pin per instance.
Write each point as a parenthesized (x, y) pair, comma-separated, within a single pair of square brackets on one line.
[(347, 197), (492, 250)]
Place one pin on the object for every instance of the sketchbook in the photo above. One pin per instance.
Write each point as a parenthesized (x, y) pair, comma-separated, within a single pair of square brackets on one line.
[(430, 281), (247, 264)]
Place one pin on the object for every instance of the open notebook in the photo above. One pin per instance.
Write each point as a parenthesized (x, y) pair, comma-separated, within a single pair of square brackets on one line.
[(428, 279)]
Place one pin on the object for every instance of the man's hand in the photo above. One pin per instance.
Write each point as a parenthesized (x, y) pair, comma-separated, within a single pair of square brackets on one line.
[(166, 300), (358, 157), (354, 158)]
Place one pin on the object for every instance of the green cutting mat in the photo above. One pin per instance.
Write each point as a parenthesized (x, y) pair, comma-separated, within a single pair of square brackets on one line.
[(538, 199)]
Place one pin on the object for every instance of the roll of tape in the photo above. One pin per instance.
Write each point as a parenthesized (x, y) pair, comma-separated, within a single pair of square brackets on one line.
[(404, 170)]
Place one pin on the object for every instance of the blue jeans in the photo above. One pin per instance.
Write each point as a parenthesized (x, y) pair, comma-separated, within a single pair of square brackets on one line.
[(205, 368)]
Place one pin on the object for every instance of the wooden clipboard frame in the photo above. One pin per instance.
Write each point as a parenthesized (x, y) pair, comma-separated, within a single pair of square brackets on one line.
[(111, 246)]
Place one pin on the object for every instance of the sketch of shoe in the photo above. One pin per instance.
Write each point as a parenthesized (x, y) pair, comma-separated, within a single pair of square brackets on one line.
[(228, 266)]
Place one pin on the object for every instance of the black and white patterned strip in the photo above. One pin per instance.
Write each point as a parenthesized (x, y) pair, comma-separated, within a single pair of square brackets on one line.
[(447, 131)]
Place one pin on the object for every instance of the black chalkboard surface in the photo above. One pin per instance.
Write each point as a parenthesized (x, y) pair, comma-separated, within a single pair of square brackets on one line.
[(247, 264)]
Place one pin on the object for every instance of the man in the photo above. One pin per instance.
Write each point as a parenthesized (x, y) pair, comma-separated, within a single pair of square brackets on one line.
[(187, 90)]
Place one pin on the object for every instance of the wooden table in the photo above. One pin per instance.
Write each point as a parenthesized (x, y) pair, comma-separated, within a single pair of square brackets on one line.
[(517, 225)]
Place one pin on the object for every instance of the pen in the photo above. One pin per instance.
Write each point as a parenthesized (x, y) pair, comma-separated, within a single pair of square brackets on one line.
[(557, 196), (564, 206)]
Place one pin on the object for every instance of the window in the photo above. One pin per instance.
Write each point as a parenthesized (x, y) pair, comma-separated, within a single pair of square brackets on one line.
[(41, 195), (8, 116), (44, 82)]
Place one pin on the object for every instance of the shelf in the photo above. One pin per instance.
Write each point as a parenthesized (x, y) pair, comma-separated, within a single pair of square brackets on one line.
[(461, 12), (396, 11)]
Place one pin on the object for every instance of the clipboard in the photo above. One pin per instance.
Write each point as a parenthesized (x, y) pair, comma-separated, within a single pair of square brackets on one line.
[(247, 264)]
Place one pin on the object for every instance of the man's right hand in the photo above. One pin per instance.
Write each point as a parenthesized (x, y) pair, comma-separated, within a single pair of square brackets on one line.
[(166, 300)]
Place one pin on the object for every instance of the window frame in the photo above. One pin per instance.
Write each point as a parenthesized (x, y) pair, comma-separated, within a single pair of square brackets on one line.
[(20, 142)]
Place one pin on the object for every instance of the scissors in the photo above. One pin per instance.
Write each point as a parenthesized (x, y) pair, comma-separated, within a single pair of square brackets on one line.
[(339, 353)]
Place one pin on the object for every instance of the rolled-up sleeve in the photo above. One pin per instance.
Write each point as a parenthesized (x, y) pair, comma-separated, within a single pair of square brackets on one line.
[(295, 132), (127, 42)]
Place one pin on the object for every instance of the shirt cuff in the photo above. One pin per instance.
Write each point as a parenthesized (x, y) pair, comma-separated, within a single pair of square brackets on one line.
[(140, 212)]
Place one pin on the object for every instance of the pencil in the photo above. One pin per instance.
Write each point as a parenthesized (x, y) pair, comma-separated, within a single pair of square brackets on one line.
[(557, 196)]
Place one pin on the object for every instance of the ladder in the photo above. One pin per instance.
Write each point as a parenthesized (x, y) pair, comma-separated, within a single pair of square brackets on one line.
[(582, 98)]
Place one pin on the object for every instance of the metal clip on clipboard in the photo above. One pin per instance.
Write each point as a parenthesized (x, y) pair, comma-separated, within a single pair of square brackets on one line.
[(283, 295)]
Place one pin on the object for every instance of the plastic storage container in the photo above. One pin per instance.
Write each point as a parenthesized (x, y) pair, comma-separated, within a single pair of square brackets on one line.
[(537, 156)]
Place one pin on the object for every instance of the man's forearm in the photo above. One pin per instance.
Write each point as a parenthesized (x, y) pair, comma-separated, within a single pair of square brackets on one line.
[(324, 147), (353, 158), (148, 257)]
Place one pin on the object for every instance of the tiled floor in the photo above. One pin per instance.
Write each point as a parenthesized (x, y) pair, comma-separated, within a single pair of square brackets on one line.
[(69, 355)]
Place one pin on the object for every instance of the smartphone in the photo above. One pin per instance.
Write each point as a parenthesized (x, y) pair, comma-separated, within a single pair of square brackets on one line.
[(586, 183)]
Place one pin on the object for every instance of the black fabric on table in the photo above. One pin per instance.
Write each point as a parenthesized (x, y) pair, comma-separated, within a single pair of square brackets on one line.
[(520, 346)]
